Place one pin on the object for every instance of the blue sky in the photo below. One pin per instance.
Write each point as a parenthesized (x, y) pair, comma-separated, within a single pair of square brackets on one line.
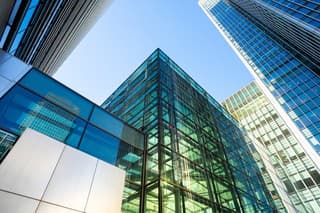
[(130, 30)]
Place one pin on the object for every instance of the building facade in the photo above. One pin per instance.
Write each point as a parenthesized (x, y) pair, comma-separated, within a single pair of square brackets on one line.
[(197, 157), (296, 22), (44, 33), (31, 99), (278, 41), (299, 175), (42, 175)]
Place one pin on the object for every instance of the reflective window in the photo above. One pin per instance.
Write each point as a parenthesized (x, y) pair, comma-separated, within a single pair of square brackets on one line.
[(116, 127), (20, 109), (23, 25), (57, 93), (7, 141), (106, 121), (100, 144)]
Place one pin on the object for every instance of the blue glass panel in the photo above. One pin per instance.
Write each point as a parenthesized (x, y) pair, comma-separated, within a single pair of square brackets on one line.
[(26, 19), (16, 42), (14, 11), (116, 127), (57, 93), (106, 121), (24, 24), (20, 109), (33, 3), (100, 144), (4, 35)]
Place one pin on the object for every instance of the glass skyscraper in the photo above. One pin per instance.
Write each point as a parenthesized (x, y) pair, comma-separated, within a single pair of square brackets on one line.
[(278, 41), (300, 178), (197, 158), (44, 33), (296, 22)]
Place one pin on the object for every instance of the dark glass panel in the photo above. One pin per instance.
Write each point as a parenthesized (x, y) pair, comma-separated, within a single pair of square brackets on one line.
[(24, 24), (7, 140)]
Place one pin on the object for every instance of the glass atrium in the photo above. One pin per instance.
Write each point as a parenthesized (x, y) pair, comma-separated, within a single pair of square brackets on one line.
[(197, 158)]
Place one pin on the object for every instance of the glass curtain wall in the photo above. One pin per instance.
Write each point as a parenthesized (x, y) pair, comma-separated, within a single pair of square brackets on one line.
[(193, 163), (292, 81), (297, 172)]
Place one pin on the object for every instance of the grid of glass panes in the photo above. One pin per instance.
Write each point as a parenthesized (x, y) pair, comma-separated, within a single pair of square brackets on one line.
[(23, 26), (306, 10), (294, 85), (136, 102), (186, 168), (297, 33), (298, 173), (242, 100)]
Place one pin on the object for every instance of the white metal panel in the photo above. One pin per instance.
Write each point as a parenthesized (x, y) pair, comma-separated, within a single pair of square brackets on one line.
[(10, 203), (29, 165), (48, 208), (107, 189), (71, 181), (36, 158)]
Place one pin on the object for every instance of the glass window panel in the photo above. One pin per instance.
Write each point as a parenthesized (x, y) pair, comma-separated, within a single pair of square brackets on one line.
[(195, 204), (117, 127), (152, 165), (23, 26), (131, 198), (20, 109), (7, 140), (14, 11), (151, 200), (172, 198), (100, 144), (5, 33), (104, 146), (57, 93)]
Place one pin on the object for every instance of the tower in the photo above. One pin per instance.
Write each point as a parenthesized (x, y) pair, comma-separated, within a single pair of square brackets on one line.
[(278, 42), (298, 174), (197, 158), (44, 33)]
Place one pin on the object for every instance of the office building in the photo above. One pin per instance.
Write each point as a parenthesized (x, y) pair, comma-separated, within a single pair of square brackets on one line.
[(69, 154), (278, 41), (297, 171), (197, 158), (296, 22), (44, 33)]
